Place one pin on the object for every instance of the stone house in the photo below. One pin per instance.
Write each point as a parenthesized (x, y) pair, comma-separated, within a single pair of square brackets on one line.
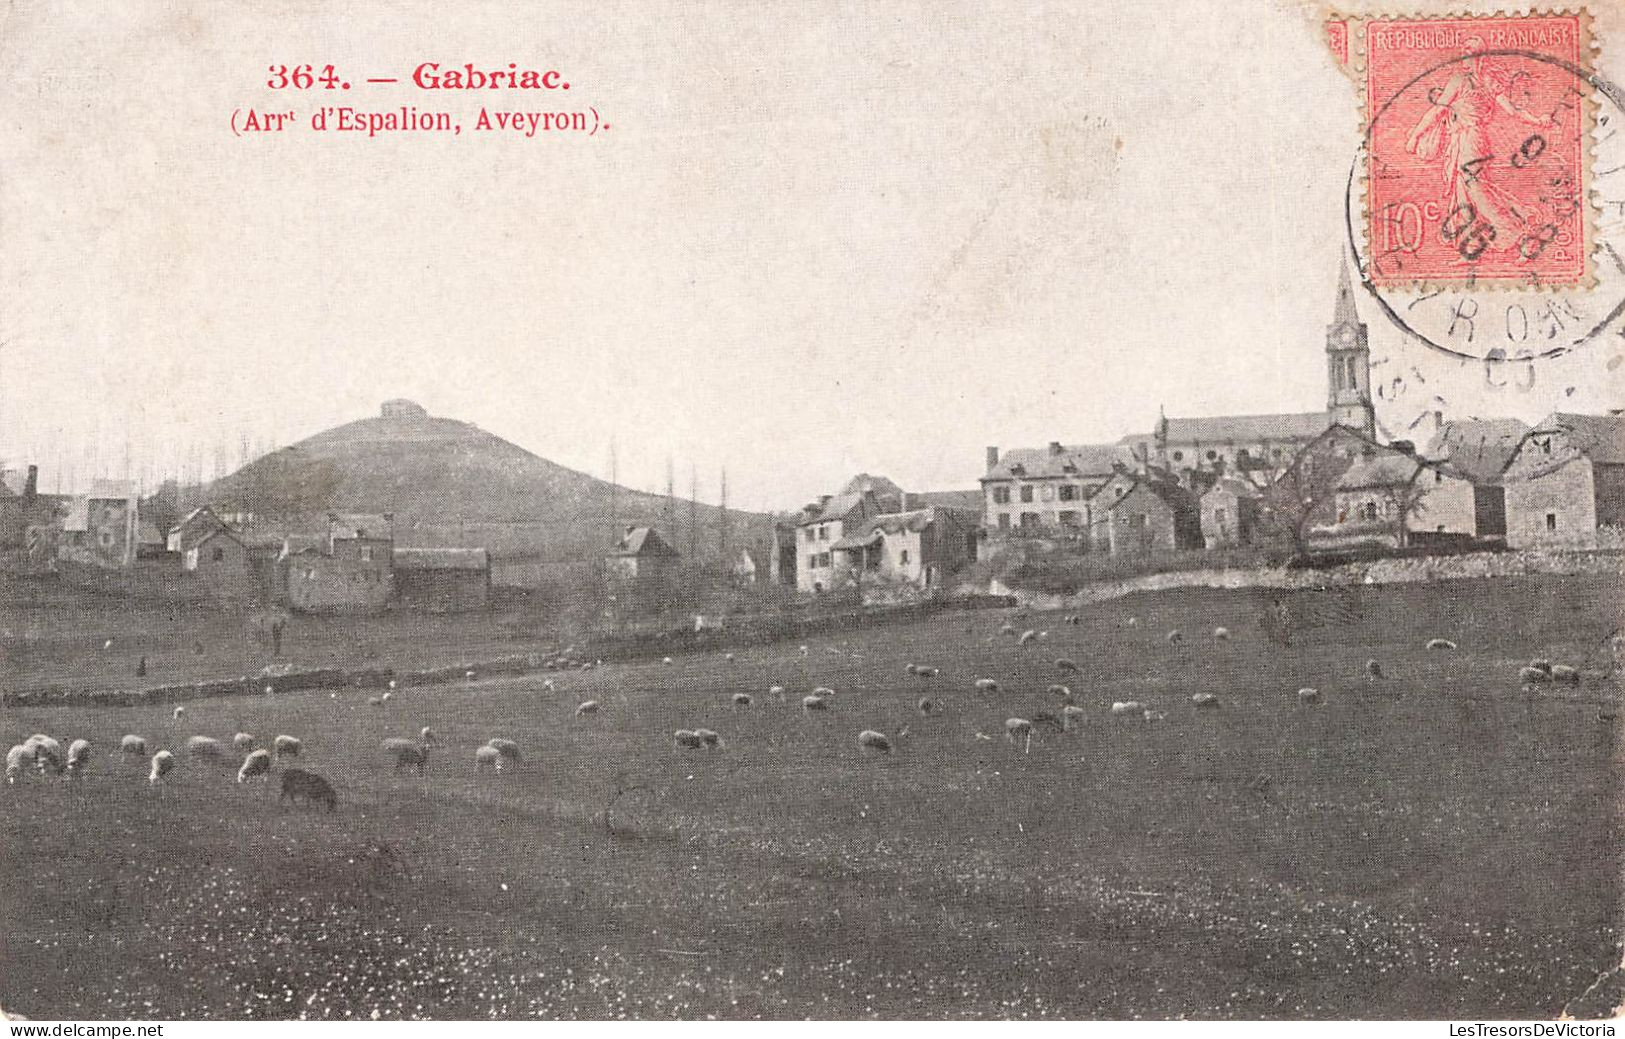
[(442, 580), (1153, 515), (1045, 491), (920, 547), (1229, 513), (642, 569), (1565, 485), (348, 570)]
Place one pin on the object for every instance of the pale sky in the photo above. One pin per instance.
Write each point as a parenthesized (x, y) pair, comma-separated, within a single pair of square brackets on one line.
[(819, 238)]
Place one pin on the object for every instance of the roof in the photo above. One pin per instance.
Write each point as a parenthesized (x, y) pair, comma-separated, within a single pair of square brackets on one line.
[(838, 507), (1600, 438), (1228, 428), (1061, 460), (880, 486), (1170, 493), (441, 559), (912, 521), (964, 501), (1477, 449), (642, 541), (1343, 312), (1390, 469), (192, 528), (295, 544), (357, 525)]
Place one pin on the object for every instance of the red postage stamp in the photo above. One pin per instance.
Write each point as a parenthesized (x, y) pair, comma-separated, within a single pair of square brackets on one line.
[(1477, 159)]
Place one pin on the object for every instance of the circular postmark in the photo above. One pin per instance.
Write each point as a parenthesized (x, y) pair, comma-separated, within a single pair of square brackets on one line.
[(1476, 207)]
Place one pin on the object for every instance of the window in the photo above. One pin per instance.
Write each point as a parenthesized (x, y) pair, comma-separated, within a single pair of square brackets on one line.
[(1551, 521), (1029, 519), (810, 534), (366, 553), (1004, 521), (823, 532), (218, 555), (812, 561), (1438, 477), (1026, 493), (106, 539), (903, 557), (1001, 496), (1069, 519), (1069, 492), (1047, 492)]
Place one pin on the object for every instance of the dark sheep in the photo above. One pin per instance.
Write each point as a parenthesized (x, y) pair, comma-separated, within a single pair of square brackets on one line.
[(297, 783)]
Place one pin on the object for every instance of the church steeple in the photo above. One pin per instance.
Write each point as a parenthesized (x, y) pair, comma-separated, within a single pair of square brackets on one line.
[(1348, 363)]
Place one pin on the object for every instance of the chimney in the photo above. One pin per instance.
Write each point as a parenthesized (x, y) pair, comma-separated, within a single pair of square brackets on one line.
[(1054, 447), (992, 457), (31, 487)]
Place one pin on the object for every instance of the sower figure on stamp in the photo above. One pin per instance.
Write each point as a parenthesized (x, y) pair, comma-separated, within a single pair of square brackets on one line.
[(1457, 127)]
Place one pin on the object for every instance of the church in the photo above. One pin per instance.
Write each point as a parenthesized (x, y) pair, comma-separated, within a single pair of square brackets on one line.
[(1053, 490)]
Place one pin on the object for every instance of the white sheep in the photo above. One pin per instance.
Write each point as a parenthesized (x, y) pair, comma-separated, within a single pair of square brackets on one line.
[(1128, 707), (741, 699), (1221, 633), (870, 740), (392, 684), (909, 669), (1061, 692), (287, 747), (1071, 717), (78, 757), (406, 753), (162, 763), (1565, 673), (385, 698), (1133, 622), (487, 757), (177, 713), (16, 758), (1066, 666), (204, 747), (776, 690), (243, 741), (729, 657), (257, 763), (268, 690), (666, 660), (426, 736), (1205, 700), (986, 685), (1019, 728), (549, 685), (1441, 644), (825, 691), (586, 707), (927, 672), (1027, 636), (686, 738), (814, 703), (133, 745), (471, 674), (805, 651), (507, 748), (47, 751), (1532, 675), (375, 701), (1308, 695)]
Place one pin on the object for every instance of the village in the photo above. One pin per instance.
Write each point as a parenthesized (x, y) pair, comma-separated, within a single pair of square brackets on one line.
[(1313, 484)]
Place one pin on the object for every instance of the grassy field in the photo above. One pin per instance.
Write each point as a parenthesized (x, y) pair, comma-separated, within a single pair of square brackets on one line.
[(1437, 843)]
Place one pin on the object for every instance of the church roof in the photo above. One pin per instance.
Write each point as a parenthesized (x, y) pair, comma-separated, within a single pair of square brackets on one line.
[(1218, 429)]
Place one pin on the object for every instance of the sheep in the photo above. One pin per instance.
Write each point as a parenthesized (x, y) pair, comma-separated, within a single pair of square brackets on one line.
[(687, 739), (1566, 674), (406, 753), (805, 651), (1027, 636), (1007, 628), (297, 783), (133, 745), (177, 713), (470, 674), (1155, 716), (814, 703), (162, 763), (586, 707), (16, 758), (926, 705), (107, 645), (1221, 633), (870, 740), (374, 701), (1067, 666), (204, 747), (1019, 727), (385, 698), (243, 741), (1071, 717), (1205, 700), (1063, 693), (741, 699), (287, 747), (709, 738), (549, 685), (666, 660), (47, 751), (729, 657), (1132, 622), (986, 685), (487, 757), (1438, 644), (392, 684), (1308, 695), (1176, 636), (824, 691), (1532, 675), (927, 672), (1127, 707), (1373, 670), (508, 749), (909, 669), (776, 690), (257, 763)]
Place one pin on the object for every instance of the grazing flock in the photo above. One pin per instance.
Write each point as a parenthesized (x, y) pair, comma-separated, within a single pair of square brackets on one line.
[(42, 755)]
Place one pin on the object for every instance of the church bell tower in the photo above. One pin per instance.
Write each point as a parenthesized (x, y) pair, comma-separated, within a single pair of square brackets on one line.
[(1348, 364)]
